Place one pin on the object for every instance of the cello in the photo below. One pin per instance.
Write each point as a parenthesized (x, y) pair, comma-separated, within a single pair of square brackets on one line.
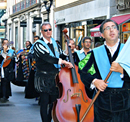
[(73, 100)]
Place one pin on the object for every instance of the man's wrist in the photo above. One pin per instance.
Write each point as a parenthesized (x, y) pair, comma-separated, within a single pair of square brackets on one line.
[(94, 81), (60, 61)]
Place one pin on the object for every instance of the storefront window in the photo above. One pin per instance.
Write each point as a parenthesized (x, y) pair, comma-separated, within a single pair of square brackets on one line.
[(126, 31), (79, 34)]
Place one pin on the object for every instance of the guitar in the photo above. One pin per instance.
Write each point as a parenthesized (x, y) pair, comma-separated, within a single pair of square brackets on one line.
[(8, 58)]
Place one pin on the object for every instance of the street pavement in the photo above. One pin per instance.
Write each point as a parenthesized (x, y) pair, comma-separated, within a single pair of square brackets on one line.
[(19, 109)]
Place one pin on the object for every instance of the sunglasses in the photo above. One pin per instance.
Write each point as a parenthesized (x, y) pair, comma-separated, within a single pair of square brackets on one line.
[(47, 30)]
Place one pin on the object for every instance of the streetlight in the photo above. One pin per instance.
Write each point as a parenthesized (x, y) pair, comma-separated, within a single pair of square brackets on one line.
[(48, 4)]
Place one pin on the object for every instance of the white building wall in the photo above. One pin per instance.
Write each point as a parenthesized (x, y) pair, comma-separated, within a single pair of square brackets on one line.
[(89, 10)]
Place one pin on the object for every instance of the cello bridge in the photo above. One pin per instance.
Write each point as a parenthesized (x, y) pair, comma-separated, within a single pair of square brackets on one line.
[(76, 95)]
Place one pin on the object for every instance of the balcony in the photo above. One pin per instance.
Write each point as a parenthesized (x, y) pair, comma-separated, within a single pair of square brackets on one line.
[(23, 5)]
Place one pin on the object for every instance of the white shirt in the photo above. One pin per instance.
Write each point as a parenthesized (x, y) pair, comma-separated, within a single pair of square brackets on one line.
[(82, 50), (113, 48)]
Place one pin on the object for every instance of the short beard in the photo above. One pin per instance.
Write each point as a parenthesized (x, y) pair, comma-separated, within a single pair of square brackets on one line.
[(86, 48)]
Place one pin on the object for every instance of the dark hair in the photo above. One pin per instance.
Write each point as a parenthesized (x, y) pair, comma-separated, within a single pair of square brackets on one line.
[(30, 44), (4, 39), (105, 21), (58, 42), (72, 40), (87, 37), (37, 37), (45, 23)]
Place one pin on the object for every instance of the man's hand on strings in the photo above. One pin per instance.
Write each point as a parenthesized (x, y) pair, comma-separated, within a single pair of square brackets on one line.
[(67, 64), (116, 67), (100, 84)]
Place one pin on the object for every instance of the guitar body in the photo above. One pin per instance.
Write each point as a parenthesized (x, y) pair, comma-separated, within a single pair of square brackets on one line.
[(7, 62)]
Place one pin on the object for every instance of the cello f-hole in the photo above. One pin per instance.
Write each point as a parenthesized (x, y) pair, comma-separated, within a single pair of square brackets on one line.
[(83, 96), (67, 96)]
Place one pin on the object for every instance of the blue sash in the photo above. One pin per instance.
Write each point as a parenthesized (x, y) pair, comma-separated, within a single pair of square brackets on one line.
[(50, 52), (10, 53), (80, 55), (31, 49), (103, 65)]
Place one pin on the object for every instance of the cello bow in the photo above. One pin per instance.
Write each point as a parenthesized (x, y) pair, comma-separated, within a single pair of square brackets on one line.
[(95, 97)]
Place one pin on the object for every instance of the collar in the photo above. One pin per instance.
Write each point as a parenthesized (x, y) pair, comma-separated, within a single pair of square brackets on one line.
[(113, 48), (82, 50), (46, 41)]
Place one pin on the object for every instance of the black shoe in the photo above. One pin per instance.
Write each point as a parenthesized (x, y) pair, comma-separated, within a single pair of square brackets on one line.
[(3, 100)]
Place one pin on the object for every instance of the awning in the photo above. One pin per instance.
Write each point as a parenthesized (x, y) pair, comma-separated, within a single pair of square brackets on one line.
[(119, 19)]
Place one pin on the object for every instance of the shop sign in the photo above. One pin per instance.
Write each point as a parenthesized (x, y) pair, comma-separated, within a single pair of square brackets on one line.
[(23, 24), (125, 27), (123, 4), (37, 20), (60, 20), (96, 34)]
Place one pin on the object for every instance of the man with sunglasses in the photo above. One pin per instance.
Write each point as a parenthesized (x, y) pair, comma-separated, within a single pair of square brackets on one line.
[(113, 102), (48, 56)]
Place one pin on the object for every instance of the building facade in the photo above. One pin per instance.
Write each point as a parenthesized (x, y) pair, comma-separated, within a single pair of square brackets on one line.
[(80, 16), (24, 18)]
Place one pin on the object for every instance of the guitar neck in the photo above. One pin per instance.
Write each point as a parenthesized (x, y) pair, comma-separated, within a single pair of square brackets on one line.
[(15, 55), (11, 57)]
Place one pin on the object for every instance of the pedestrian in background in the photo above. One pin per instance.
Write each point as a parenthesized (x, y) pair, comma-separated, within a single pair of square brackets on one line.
[(30, 91)]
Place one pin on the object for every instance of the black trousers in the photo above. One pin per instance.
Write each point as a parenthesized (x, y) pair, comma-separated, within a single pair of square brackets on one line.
[(46, 105), (101, 115), (5, 88)]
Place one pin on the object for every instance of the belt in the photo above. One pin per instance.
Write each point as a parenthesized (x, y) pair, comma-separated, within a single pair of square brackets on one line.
[(117, 90)]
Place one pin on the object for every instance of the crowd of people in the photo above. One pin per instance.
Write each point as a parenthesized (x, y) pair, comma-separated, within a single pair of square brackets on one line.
[(15, 67), (37, 65)]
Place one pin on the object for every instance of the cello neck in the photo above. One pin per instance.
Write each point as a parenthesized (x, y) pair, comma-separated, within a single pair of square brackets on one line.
[(73, 72)]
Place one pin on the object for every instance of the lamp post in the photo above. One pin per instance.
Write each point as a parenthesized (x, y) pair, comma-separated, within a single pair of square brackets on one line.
[(48, 4)]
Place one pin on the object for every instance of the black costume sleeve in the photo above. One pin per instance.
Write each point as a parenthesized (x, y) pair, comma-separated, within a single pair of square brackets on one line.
[(1, 58), (76, 58), (42, 52)]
